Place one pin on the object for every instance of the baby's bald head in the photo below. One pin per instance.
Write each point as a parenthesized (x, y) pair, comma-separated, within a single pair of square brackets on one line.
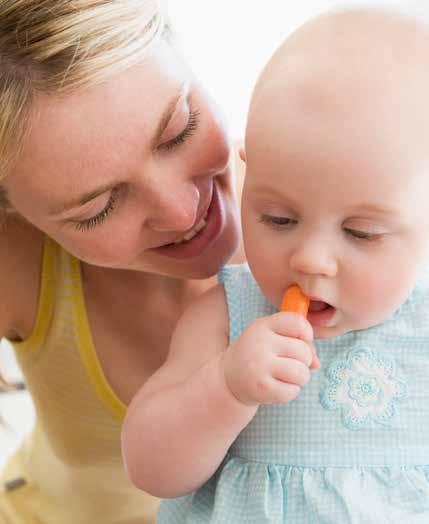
[(350, 59), (355, 81)]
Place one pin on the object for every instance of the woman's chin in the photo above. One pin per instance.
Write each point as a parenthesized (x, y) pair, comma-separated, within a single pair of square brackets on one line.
[(212, 261)]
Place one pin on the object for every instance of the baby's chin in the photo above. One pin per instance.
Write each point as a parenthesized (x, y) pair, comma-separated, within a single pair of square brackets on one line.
[(323, 332), (342, 328)]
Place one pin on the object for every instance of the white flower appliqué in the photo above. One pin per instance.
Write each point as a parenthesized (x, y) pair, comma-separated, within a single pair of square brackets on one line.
[(364, 387)]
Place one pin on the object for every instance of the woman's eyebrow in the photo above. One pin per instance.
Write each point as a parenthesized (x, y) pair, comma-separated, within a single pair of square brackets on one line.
[(168, 114)]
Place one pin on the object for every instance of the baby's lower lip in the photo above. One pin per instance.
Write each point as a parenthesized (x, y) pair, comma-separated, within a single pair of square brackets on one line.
[(321, 315)]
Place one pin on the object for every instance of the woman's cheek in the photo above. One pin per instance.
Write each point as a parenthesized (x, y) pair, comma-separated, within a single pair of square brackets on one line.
[(104, 248)]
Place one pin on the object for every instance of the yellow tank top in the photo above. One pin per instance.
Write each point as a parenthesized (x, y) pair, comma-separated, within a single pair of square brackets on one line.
[(69, 469)]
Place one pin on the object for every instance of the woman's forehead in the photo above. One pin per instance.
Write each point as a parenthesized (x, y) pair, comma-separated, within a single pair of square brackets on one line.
[(99, 129), (137, 95), (148, 83)]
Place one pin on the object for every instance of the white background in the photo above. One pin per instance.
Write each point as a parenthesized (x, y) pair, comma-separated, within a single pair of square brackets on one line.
[(226, 43)]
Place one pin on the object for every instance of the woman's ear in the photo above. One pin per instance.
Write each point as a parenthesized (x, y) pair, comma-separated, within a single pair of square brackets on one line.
[(242, 153)]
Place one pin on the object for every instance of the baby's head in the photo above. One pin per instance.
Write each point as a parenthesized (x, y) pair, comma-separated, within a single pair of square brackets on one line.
[(337, 183)]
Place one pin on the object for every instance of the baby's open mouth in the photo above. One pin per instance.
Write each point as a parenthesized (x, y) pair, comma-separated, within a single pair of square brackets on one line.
[(320, 313), (317, 305)]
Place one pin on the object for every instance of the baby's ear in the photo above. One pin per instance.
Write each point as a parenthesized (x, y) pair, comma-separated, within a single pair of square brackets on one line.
[(242, 154)]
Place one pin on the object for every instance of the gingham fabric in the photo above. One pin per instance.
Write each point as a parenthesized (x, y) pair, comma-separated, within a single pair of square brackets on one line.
[(352, 448)]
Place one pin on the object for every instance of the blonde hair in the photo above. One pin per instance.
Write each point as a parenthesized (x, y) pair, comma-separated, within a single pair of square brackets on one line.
[(56, 46)]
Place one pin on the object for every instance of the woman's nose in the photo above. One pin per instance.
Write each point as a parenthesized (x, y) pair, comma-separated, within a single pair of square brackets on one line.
[(173, 208), (314, 258)]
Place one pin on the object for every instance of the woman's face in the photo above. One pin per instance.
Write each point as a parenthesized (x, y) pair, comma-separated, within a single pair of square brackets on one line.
[(120, 173)]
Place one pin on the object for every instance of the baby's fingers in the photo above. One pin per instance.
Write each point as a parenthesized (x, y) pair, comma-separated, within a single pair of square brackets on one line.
[(315, 364), (296, 349), (273, 391), (291, 371), (291, 325)]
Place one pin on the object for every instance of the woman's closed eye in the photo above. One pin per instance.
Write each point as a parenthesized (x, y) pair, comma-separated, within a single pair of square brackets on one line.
[(180, 138), (85, 224), (97, 219), (181, 126)]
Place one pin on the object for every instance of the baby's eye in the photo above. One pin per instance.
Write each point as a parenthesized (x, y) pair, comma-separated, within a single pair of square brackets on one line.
[(362, 235), (277, 221)]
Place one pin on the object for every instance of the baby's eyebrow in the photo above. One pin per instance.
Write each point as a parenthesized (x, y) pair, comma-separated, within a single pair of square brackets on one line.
[(376, 209), (263, 191)]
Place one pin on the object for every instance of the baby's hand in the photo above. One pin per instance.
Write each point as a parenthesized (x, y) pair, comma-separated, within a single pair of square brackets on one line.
[(271, 360)]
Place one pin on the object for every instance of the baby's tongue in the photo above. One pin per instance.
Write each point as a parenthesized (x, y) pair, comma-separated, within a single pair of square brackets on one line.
[(316, 305)]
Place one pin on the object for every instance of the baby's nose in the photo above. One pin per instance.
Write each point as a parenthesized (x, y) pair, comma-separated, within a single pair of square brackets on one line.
[(313, 260)]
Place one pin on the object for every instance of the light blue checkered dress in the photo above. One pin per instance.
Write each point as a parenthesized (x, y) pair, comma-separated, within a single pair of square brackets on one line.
[(352, 448)]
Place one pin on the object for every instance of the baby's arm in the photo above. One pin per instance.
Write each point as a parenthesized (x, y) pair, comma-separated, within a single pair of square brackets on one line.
[(182, 422)]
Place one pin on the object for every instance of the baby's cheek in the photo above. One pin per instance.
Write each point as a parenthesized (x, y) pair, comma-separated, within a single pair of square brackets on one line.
[(381, 298)]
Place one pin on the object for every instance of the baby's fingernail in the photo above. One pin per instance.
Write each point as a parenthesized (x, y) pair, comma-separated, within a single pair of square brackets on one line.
[(316, 362)]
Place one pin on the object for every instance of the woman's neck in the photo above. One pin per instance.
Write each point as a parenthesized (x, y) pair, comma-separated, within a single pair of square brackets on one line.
[(137, 284)]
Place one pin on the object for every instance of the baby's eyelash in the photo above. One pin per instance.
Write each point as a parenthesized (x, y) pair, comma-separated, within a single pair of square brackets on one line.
[(362, 235), (277, 221), (186, 133), (89, 223)]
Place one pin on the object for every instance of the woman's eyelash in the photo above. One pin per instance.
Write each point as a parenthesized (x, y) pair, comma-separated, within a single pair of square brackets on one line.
[(186, 133), (97, 219)]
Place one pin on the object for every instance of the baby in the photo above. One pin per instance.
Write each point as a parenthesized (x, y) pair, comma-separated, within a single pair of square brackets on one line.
[(240, 423)]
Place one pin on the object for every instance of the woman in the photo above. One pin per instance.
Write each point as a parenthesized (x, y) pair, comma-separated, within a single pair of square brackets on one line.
[(119, 207)]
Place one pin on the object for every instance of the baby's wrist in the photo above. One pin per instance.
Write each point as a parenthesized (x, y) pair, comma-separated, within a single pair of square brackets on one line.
[(231, 396), (232, 391)]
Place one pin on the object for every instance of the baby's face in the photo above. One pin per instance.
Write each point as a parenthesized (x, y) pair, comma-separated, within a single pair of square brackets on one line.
[(336, 194)]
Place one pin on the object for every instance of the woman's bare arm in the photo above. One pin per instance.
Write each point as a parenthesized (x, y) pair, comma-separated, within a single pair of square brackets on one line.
[(21, 249)]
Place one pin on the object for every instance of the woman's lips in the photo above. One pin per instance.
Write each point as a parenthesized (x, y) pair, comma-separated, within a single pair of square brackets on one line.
[(203, 239)]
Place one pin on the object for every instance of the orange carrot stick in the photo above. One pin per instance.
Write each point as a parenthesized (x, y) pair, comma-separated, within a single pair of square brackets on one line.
[(295, 301)]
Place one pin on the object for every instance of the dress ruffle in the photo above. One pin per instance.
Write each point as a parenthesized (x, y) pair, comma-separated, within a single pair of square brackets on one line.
[(257, 493)]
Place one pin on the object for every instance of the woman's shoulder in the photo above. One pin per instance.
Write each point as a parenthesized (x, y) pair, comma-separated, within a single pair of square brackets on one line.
[(21, 248)]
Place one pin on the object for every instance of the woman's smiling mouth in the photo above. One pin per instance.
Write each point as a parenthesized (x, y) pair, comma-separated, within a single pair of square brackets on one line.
[(200, 237)]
